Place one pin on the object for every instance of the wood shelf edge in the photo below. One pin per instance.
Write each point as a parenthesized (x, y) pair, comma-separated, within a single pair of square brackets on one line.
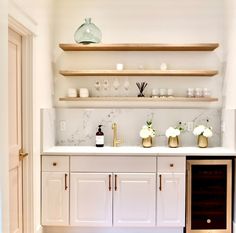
[(208, 73), (140, 47), (142, 99)]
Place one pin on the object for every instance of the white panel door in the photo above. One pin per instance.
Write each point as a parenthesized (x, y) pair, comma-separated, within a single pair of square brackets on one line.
[(134, 199), (171, 200), (15, 131), (91, 199), (55, 198)]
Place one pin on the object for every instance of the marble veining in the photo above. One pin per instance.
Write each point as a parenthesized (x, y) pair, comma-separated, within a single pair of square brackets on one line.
[(81, 125)]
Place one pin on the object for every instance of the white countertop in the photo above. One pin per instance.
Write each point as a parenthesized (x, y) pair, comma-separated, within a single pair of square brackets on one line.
[(136, 150)]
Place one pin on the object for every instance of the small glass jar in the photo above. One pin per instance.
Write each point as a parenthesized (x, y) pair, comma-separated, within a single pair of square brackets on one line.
[(198, 92), (162, 92), (206, 92), (170, 92), (190, 92), (154, 93)]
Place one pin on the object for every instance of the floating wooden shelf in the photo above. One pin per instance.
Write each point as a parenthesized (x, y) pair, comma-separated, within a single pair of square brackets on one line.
[(140, 99), (208, 73), (140, 47)]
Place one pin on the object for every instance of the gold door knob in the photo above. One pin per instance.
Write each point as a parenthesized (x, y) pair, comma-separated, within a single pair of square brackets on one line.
[(22, 154)]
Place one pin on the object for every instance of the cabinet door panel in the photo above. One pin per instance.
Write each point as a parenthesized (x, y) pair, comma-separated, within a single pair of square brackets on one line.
[(91, 199), (55, 199), (171, 200), (134, 199)]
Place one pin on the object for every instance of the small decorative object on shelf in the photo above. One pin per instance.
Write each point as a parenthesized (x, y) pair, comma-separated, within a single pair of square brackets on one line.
[(83, 92), (190, 92), (154, 93), (141, 86), (147, 133), (203, 133), (163, 66), (126, 87), (72, 92), (170, 92), (119, 66), (173, 135), (88, 33), (162, 92)]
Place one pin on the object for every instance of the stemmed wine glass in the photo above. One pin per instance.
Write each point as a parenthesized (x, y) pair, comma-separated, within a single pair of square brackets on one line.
[(116, 85), (97, 86), (126, 87)]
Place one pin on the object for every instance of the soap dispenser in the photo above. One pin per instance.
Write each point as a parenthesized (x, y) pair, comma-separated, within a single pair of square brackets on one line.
[(99, 137)]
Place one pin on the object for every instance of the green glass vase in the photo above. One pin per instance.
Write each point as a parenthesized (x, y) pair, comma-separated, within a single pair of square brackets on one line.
[(88, 33)]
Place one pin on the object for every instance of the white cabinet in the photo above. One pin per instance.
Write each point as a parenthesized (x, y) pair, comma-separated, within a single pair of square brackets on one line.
[(118, 191), (171, 192), (133, 202), (91, 199), (113, 191), (55, 190), (134, 199), (55, 198)]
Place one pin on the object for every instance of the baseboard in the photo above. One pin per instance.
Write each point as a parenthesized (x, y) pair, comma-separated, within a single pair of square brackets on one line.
[(39, 229), (111, 230)]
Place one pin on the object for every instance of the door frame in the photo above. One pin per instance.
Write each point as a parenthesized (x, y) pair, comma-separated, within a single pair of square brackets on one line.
[(27, 118)]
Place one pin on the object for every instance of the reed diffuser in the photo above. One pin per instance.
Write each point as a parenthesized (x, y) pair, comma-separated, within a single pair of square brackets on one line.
[(141, 86)]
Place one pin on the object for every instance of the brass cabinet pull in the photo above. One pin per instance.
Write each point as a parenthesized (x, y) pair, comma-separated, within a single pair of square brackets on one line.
[(66, 186), (109, 182), (160, 183), (115, 182)]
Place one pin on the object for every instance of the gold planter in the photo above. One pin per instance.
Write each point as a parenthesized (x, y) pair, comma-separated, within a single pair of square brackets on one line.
[(147, 142), (202, 141), (173, 142)]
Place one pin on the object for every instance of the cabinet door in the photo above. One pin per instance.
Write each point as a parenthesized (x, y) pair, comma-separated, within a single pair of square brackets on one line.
[(134, 199), (91, 199), (171, 200), (55, 198)]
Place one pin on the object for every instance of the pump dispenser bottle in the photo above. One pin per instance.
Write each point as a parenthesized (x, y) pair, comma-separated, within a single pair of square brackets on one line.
[(99, 137)]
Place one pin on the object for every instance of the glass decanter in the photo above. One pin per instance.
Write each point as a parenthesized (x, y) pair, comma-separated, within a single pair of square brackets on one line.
[(88, 33)]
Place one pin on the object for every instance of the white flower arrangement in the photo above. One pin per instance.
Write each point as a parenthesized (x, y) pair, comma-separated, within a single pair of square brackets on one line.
[(203, 130), (147, 130), (172, 132)]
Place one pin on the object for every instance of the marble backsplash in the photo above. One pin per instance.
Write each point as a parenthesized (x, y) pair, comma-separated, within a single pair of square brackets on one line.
[(77, 127)]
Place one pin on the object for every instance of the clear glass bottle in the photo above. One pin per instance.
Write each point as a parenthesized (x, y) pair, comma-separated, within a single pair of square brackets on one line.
[(88, 33)]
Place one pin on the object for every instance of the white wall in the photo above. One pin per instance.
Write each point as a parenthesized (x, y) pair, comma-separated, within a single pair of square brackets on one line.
[(4, 224), (154, 21), (230, 82)]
